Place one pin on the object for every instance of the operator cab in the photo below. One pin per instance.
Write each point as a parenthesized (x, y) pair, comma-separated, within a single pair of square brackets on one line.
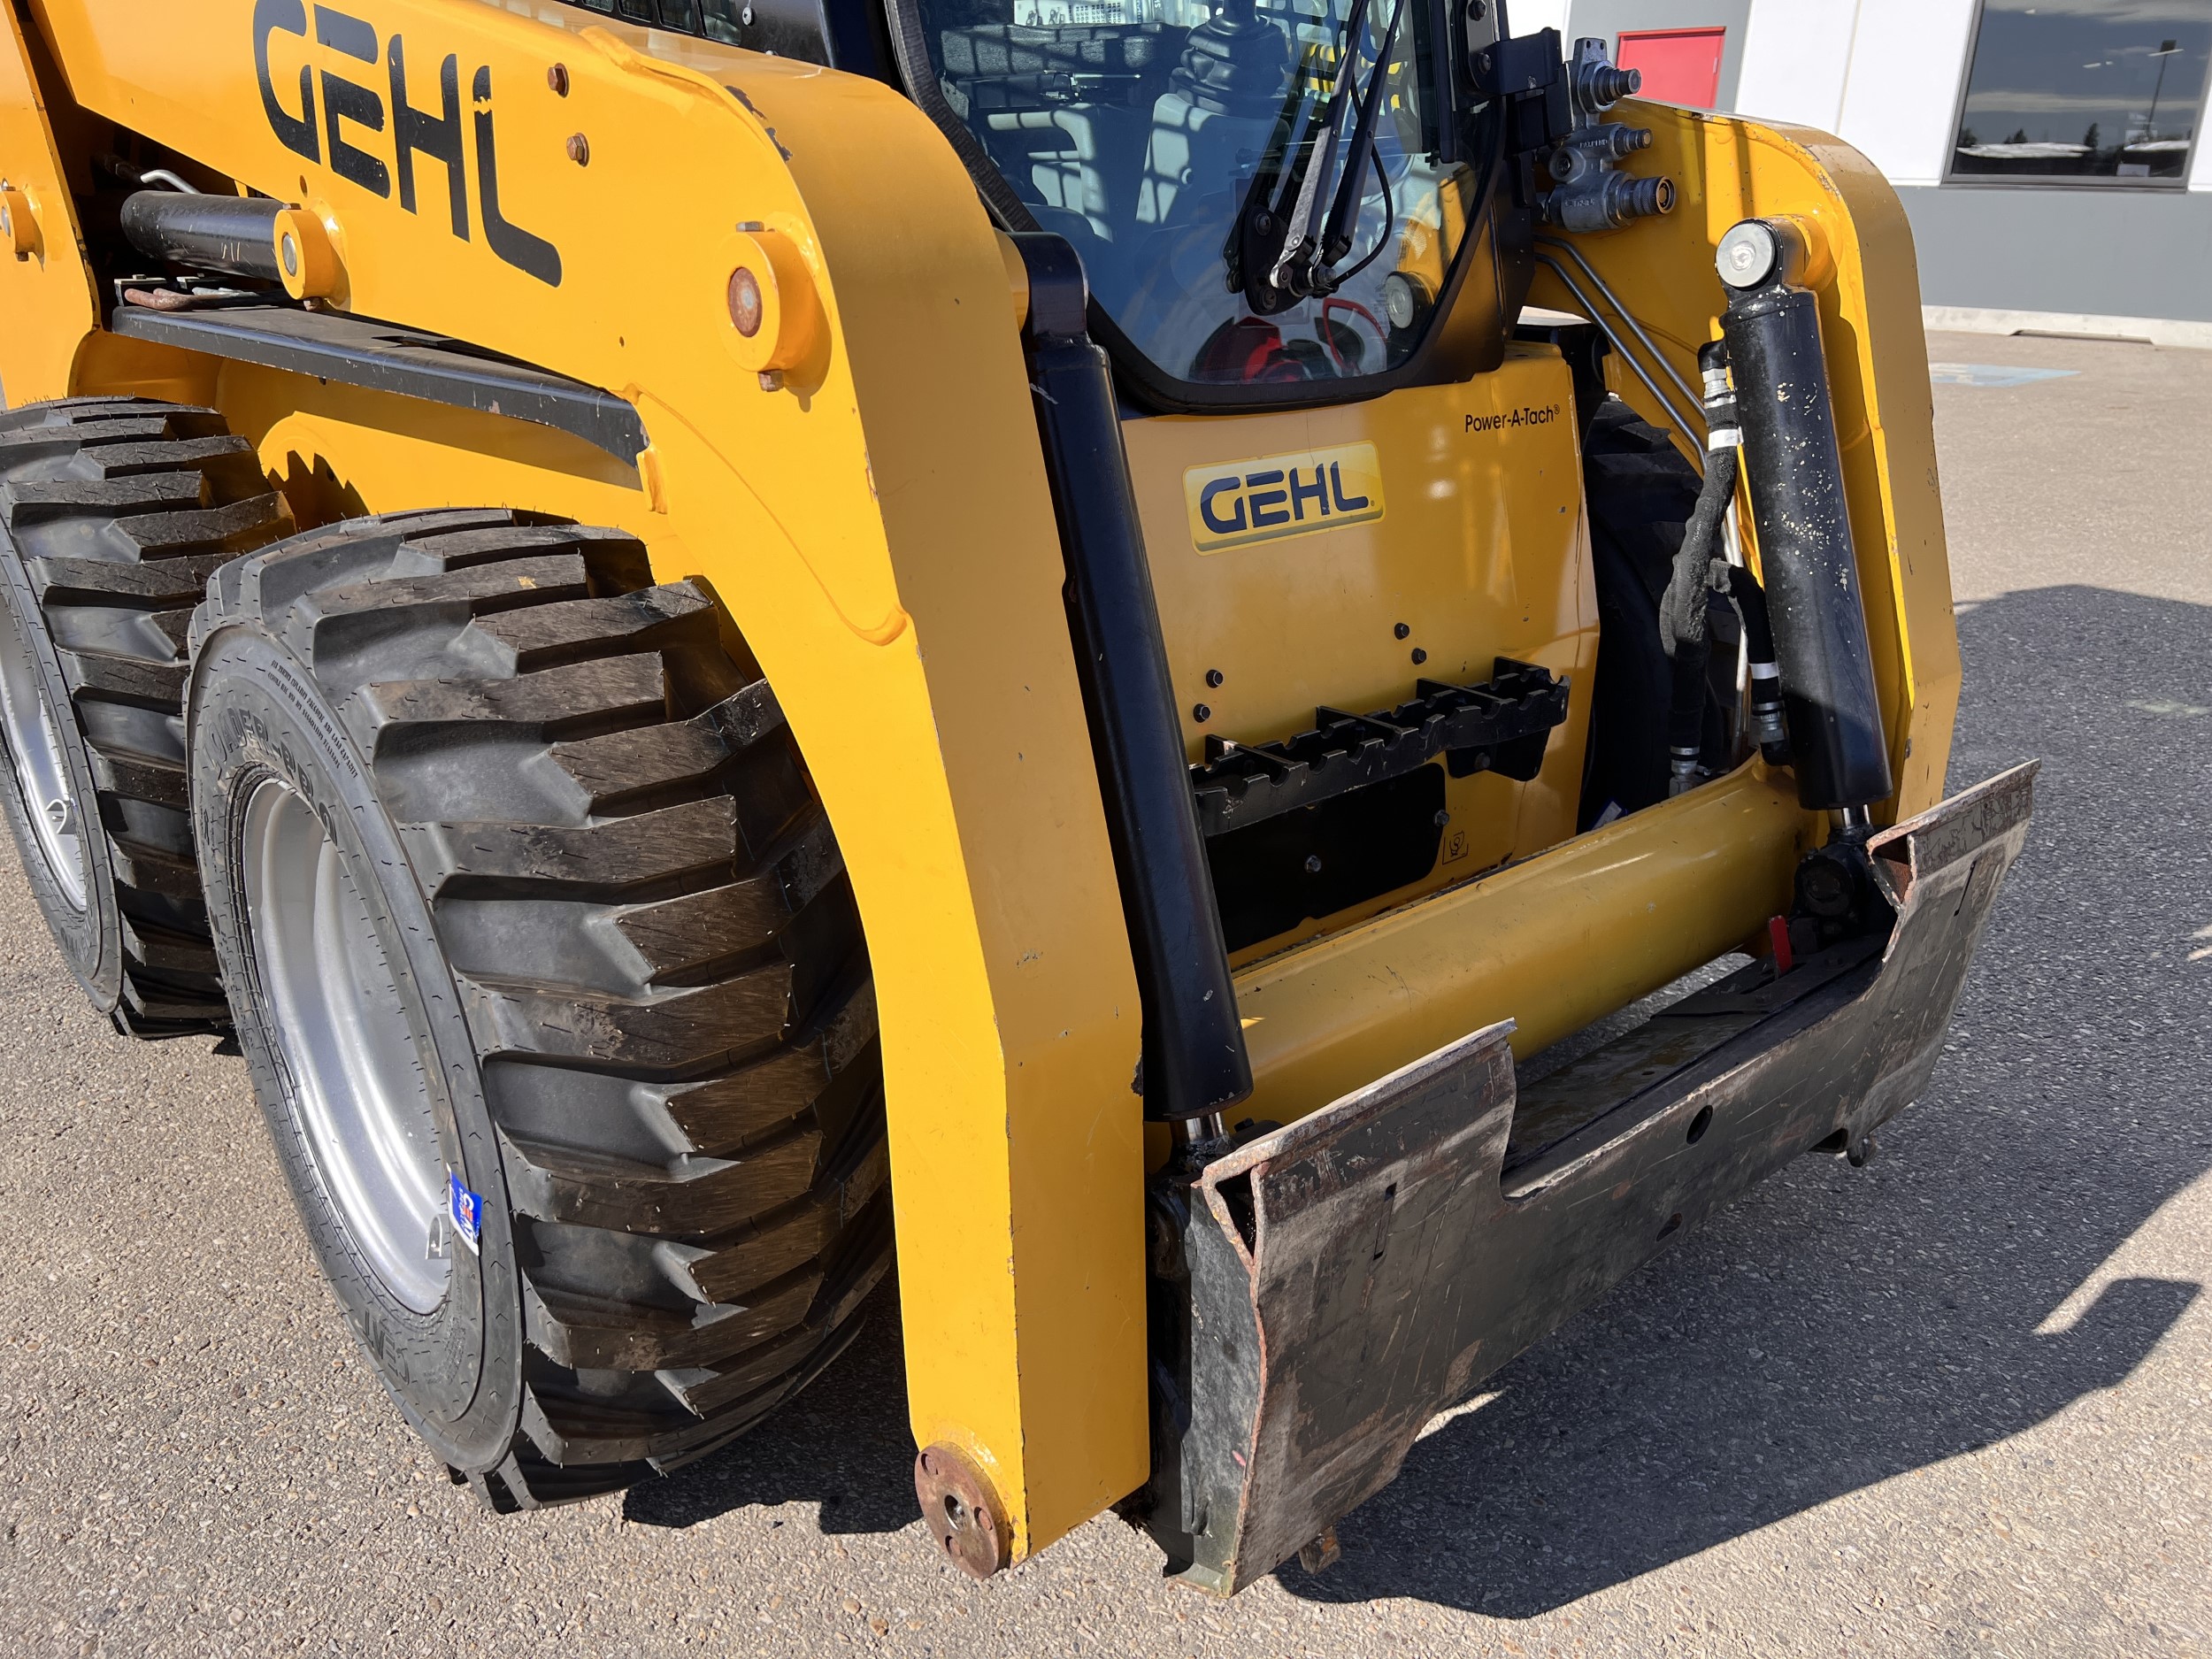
[(1262, 194)]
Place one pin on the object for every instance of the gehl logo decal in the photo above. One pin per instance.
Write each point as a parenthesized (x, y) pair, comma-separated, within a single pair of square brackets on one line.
[(1236, 503), (414, 132)]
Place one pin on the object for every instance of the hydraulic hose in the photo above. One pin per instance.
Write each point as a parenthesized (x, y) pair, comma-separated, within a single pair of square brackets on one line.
[(1684, 623), (1763, 691), (1683, 620)]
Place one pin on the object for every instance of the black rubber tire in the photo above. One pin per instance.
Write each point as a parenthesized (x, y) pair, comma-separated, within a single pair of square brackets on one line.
[(630, 956), (114, 513), (1641, 493)]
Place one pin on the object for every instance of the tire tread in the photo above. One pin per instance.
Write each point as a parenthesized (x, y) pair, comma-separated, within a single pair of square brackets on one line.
[(660, 961), (120, 510)]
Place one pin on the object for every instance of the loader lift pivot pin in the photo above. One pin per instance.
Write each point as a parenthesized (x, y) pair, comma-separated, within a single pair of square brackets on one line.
[(962, 1510)]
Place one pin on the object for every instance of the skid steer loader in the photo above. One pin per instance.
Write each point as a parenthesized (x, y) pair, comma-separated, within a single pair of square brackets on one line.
[(733, 635)]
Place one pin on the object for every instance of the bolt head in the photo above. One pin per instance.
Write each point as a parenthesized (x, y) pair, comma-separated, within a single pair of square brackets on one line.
[(746, 307), (580, 150)]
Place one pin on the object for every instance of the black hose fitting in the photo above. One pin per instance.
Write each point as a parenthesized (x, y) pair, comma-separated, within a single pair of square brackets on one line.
[(1598, 86), (1764, 691), (1721, 430)]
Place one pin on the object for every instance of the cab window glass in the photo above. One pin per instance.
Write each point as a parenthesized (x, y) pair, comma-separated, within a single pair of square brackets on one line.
[(1155, 134)]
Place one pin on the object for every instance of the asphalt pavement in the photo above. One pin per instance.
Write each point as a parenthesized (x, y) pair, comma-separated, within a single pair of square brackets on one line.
[(1959, 1401)]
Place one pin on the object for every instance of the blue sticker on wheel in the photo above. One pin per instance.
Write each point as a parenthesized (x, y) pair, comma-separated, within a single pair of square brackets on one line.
[(465, 1211)]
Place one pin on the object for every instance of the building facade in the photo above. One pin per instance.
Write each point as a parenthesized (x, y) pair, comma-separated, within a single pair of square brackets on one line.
[(2050, 155)]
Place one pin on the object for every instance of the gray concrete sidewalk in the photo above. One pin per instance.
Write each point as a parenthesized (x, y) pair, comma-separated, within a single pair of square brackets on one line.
[(1957, 1403)]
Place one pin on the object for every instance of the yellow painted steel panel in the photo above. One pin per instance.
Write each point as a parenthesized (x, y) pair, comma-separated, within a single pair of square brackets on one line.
[(1482, 553), (45, 289)]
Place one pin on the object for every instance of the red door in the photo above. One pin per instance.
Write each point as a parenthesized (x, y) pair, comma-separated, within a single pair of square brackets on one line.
[(1680, 66)]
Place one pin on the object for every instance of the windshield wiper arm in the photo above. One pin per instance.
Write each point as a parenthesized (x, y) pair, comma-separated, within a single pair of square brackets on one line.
[(1267, 229), (1302, 229), (1312, 246), (1337, 241)]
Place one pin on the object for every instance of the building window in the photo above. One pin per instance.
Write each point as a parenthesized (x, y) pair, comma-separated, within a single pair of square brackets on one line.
[(2067, 90)]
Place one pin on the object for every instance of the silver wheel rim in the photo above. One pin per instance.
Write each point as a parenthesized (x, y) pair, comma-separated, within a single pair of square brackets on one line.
[(42, 766), (357, 1090)]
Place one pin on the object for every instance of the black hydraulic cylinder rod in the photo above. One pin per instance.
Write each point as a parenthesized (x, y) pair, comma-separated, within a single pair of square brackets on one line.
[(233, 235), (1195, 1060), (1795, 473)]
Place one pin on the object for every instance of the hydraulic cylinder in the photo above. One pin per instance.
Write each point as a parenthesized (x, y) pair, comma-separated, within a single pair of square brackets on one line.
[(1794, 468)]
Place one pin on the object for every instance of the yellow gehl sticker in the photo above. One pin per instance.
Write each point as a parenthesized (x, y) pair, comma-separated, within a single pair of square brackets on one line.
[(1235, 504)]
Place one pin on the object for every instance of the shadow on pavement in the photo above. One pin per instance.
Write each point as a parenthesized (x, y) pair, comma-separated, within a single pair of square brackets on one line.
[(1837, 1327), (844, 1444)]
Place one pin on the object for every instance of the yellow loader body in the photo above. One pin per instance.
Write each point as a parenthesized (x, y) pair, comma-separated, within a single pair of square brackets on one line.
[(874, 515)]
